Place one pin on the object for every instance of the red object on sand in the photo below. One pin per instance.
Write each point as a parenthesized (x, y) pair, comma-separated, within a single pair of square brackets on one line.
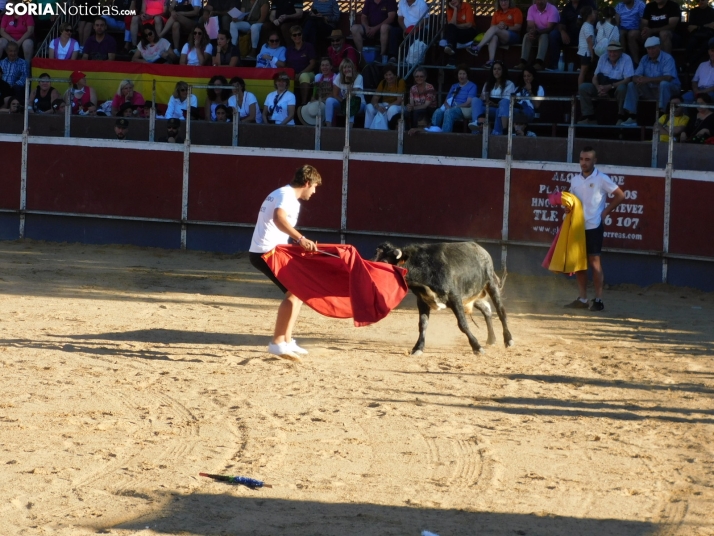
[(345, 286)]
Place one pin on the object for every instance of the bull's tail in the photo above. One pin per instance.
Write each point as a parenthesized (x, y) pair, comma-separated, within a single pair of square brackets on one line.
[(501, 281)]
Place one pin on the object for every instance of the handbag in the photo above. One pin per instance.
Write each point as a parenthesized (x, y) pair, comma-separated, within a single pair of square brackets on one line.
[(379, 122), (416, 52), (355, 104)]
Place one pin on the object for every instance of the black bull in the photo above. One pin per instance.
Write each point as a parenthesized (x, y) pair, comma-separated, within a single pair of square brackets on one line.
[(457, 275)]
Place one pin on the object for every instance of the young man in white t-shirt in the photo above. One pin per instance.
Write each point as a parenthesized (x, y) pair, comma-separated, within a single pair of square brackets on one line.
[(276, 224), (592, 188)]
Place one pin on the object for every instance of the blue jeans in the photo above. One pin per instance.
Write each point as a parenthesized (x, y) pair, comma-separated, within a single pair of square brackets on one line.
[(502, 111), (445, 118), (663, 94)]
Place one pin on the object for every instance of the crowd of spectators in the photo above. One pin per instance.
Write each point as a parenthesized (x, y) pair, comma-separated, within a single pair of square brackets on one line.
[(624, 54)]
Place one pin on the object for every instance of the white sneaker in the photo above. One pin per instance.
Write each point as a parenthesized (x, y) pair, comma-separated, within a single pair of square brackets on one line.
[(283, 349), (630, 121), (296, 349)]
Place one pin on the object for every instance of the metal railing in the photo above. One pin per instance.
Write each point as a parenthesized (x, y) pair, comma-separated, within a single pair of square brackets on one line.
[(417, 43)]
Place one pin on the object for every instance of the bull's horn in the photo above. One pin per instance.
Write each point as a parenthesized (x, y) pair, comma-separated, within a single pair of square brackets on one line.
[(398, 253)]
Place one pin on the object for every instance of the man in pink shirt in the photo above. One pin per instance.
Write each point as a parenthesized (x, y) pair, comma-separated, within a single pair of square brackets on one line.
[(541, 19), (18, 29)]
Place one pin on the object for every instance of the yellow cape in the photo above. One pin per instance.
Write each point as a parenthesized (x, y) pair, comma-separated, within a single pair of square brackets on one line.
[(570, 254)]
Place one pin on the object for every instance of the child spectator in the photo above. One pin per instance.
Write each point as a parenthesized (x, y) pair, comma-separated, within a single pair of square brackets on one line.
[(681, 120), (606, 31), (215, 97), (586, 42)]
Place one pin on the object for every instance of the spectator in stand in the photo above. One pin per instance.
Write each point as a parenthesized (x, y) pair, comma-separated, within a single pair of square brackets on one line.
[(18, 29), (227, 54), (58, 106), (339, 50), (257, 12), (655, 78), (178, 103), (64, 47), (100, 46), (153, 13), (505, 29), (184, 19), (14, 70), (703, 81), (121, 128), (424, 126), (152, 49), (541, 19), (681, 120), (568, 30), (80, 92), (115, 23), (528, 86), (85, 24), (90, 110), (43, 95), (301, 58), (460, 26), (607, 31), (422, 99), (279, 106), (410, 13), (376, 22), (272, 55), (220, 9), (221, 113), (346, 79), (125, 93), (612, 74), (244, 102), (197, 51), (6, 89), (284, 14), (214, 97), (628, 18), (520, 127), (700, 29), (586, 42), (660, 19), (323, 20), (496, 92), (703, 125), (459, 100), (172, 132), (390, 106), (11, 106), (323, 90), (127, 109)]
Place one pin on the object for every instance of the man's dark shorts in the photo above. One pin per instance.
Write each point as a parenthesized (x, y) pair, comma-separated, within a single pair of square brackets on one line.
[(256, 259), (593, 240)]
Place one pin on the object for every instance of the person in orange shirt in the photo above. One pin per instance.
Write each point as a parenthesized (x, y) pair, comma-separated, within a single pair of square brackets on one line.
[(505, 30), (460, 26)]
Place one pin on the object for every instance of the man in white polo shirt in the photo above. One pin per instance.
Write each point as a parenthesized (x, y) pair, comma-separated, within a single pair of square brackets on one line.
[(276, 224), (592, 188)]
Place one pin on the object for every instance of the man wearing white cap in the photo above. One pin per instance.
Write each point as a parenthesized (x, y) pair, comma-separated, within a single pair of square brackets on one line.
[(655, 78), (612, 74)]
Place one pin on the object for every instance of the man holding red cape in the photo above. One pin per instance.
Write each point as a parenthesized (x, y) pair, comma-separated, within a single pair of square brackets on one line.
[(276, 224)]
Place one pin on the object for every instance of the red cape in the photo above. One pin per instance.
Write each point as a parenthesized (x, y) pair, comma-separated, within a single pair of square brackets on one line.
[(343, 287)]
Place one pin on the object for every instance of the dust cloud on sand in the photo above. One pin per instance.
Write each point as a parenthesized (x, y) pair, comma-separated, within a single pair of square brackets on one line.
[(124, 372)]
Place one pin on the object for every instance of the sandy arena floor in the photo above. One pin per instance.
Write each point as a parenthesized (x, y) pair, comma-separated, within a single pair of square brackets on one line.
[(124, 372)]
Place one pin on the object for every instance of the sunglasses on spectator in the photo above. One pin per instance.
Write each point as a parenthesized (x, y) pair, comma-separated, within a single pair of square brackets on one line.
[(274, 40), (297, 34), (183, 90)]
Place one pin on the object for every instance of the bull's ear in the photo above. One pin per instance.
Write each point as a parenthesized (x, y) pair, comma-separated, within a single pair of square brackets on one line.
[(398, 254)]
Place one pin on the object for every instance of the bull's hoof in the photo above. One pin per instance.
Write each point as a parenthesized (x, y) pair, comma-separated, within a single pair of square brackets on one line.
[(478, 351), (510, 343), (417, 353)]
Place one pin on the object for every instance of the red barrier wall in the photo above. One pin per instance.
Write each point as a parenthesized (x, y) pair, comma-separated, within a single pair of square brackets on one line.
[(231, 188), (692, 218), (638, 223), (11, 161), (425, 199), (119, 182)]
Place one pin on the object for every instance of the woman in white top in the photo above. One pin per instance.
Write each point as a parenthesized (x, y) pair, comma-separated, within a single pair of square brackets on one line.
[(244, 102), (64, 47), (496, 90), (528, 86), (178, 103), (586, 42), (197, 51), (272, 55), (279, 106), (214, 97), (153, 49), (346, 79)]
